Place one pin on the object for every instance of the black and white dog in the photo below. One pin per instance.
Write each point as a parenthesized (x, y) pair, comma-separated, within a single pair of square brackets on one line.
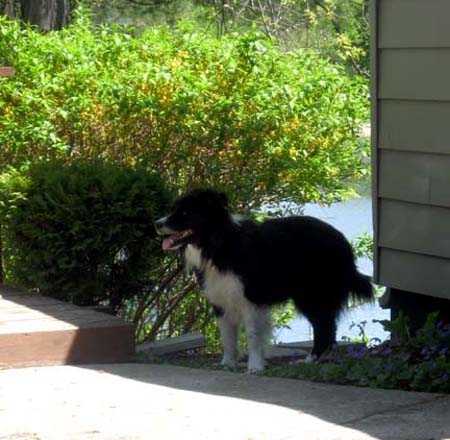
[(245, 267)]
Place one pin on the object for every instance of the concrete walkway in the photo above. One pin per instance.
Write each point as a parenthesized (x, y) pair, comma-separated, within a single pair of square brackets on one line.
[(159, 402)]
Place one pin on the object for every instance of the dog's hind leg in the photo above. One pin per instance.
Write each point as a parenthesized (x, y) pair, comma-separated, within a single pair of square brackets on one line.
[(324, 328), (258, 328), (322, 316), (229, 335)]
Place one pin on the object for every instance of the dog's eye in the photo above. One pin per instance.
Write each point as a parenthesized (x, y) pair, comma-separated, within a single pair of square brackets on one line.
[(184, 213)]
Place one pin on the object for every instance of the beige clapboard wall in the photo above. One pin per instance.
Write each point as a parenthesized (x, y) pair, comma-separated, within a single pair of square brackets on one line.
[(411, 144)]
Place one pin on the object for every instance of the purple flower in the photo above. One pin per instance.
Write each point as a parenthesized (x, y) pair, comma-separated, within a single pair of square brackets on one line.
[(386, 352), (358, 353), (353, 352), (389, 367), (444, 333)]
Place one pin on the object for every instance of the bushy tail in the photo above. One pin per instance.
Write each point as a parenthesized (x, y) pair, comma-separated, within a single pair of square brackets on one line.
[(361, 288)]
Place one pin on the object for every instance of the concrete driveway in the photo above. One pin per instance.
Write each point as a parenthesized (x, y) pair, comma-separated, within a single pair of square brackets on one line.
[(160, 402)]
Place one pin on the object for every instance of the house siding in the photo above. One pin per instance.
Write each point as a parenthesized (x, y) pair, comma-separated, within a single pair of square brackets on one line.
[(411, 144)]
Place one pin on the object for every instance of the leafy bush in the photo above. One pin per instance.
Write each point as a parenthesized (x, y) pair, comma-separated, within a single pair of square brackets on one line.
[(82, 231), (363, 246), (420, 362), (233, 112)]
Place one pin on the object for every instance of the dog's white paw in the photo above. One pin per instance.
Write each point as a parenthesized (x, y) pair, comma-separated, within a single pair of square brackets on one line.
[(310, 359), (256, 366), (228, 362), (255, 370)]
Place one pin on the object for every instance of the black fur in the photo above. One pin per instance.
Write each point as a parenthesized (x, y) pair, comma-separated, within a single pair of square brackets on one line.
[(299, 258)]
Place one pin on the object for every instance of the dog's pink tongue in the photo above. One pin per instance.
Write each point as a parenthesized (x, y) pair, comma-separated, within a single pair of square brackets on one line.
[(167, 244)]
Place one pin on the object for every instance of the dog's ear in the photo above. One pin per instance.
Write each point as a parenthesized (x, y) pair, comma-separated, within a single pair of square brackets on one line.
[(223, 199), (220, 198)]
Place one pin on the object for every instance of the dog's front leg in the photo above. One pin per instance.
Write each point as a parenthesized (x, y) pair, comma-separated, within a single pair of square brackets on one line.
[(229, 336), (258, 328)]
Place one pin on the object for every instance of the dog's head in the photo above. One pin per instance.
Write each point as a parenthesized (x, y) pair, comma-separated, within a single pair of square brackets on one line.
[(193, 216)]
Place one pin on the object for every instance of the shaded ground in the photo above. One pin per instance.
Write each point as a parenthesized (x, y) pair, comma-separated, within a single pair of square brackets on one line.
[(142, 401)]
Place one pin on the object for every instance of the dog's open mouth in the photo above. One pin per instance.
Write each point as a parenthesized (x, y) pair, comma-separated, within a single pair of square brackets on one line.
[(174, 241)]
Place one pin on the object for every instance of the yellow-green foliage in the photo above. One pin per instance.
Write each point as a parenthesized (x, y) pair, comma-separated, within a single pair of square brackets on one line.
[(232, 112)]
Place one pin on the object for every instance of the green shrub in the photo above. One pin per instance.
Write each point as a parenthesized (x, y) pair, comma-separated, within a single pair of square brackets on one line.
[(82, 231), (234, 112)]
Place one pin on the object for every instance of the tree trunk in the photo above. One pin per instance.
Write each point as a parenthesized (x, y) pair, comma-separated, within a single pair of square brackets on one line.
[(8, 8), (48, 15)]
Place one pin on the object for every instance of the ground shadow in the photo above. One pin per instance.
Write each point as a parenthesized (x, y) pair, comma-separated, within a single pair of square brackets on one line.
[(382, 414)]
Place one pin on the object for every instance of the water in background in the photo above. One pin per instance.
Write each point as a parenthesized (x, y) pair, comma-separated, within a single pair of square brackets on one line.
[(353, 218)]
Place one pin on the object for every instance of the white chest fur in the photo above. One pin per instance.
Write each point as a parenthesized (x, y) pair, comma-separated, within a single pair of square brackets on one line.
[(222, 289)]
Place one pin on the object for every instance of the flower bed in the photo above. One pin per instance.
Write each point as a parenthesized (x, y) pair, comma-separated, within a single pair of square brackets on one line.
[(418, 362)]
